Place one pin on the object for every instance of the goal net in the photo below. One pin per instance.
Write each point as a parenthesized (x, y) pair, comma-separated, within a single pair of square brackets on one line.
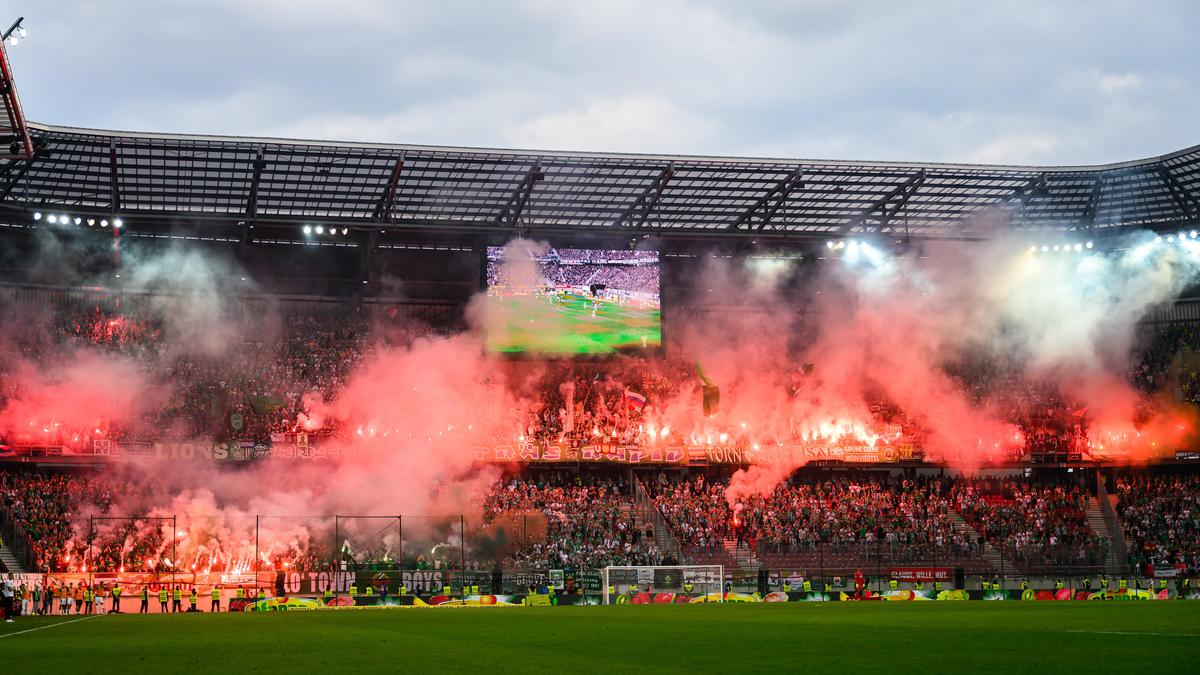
[(705, 581)]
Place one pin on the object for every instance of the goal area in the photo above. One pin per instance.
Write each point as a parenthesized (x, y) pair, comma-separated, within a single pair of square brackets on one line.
[(706, 581)]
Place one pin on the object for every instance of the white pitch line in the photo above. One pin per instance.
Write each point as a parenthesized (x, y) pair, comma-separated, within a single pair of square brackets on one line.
[(53, 625), (1126, 632)]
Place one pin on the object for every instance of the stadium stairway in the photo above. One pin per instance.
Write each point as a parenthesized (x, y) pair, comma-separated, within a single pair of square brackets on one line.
[(746, 560), (990, 554), (1099, 525), (8, 561), (647, 512)]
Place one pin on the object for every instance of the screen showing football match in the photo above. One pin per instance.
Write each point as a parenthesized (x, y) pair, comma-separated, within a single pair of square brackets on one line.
[(572, 300)]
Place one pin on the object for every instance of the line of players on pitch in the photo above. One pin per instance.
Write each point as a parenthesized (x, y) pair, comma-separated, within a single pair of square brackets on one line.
[(84, 599)]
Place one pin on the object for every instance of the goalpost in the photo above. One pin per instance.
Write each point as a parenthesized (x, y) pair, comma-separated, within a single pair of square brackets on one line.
[(707, 581)]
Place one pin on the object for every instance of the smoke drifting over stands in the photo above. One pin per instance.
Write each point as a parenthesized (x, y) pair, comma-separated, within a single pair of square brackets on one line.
[(968, 354)]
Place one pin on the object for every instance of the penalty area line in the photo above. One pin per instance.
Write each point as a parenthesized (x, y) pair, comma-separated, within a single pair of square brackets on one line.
[(53, 625), (1130, 632)]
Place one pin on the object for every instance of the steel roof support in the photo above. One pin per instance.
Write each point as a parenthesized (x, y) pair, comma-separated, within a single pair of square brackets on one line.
[(1183, 199), (900, 194), (511, 214), (383, 209), (1036, 187), (1093, 205), (13, 177), (778, 195), (257, 165), (645, 203), (114, 198)]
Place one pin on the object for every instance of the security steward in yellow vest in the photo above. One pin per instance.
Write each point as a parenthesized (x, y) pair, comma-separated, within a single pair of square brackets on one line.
[(920, 586), (1104, 583), (177, 600), (328, 594), (370, 592), (807, 586), (162, 599), (241, 593), (145, 608), (192, 599), (1162, 584), (985, 584), (1087, 584), (787, 586), (1024, 585), (446, 590), (1058, 584), (88, 597), (1123, 584), (937, 586), (354, 590), (892, 585), (216, 599), (403, 590), (116, 596)]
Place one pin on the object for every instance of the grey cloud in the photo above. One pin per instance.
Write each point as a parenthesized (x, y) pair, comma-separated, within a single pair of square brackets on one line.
[(1059, 82)]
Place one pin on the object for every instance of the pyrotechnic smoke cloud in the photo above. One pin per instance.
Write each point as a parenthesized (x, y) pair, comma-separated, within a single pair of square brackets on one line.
[(876, 326)]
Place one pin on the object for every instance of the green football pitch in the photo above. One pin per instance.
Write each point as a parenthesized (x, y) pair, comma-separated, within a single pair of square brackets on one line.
[(949, 637), (566, 325)]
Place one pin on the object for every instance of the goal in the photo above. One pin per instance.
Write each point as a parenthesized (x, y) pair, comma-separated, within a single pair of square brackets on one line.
[(703, 580)]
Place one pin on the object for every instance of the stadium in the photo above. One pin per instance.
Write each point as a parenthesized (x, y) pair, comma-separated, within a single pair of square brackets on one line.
[(288, 404)]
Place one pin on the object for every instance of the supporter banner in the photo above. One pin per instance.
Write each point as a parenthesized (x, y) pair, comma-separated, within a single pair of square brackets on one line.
[(300, 446), (921, 574), (306, 447), (282, 604), (704, 455)]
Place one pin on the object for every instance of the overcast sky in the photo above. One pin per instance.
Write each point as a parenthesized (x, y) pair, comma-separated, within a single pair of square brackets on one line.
[(1037, 82)]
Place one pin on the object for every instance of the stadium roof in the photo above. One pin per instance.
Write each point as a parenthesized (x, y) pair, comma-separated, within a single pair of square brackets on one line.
[(149, 178)]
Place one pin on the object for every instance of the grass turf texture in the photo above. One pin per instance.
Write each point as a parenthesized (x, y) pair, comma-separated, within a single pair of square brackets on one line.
[(536, 324), (1043, 637)]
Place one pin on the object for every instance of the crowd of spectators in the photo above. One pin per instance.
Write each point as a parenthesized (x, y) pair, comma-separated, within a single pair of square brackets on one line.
[(568, 520), (38, 510), (908, 517), (1161, 520), (1032, 523), (247, 388), (617, 270), (589, 523), (252, 385)]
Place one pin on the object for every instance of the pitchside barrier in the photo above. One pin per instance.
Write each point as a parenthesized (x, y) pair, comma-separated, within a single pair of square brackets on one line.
[(297, 590)]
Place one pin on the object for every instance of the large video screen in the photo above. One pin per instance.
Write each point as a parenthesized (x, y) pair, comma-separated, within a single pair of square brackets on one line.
[(563, 301)]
